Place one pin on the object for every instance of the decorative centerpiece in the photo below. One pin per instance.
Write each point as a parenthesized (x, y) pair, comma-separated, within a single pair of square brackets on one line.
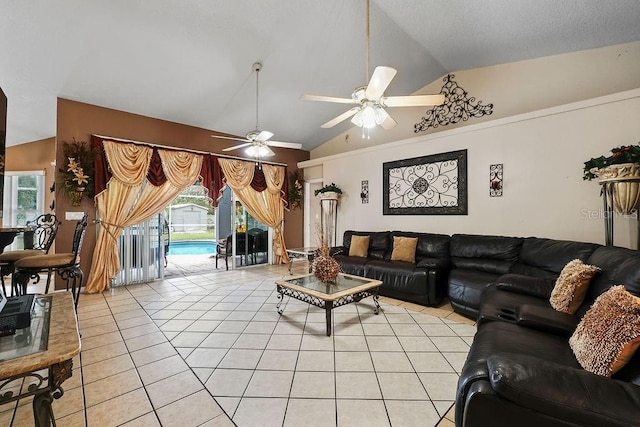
[(325, 267), (622, 170), (330, 191), (296, 189), (76, 178)]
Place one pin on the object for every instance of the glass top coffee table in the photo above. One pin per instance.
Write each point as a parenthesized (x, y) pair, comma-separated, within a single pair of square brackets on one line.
[(328, 295)]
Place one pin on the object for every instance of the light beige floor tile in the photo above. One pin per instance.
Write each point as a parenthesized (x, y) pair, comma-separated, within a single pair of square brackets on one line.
[(278, 360), (269, 384), (252, 341), (106, 368), (108, 388), (203, 326), (443, 407), (456, 360), (317, 342), (137, 331), (69, 403), (124, 306), (206, 357), (353, 361), (357, 385), (316, 361), (314, 385), (241, 359), (220, 340), (450, 344), (119, 410), (228, 404), (229, 382), (102, 329), (446, 423), (440, 386), (384, 361), (102, 353), (429, 362), (384, 343), (370, 413), (284, 342), (310, 412), (260, 328), (144, 341), (95, 321), (189, 339), (151, 354), (100, 340), (173, 388), (257, 411), (371, 329), (411, 413), (423, 344), (405, 386), (148, 420), (161, 369), (232, 326), (221, 420), (72, 420), (192, 410), (407, 330)]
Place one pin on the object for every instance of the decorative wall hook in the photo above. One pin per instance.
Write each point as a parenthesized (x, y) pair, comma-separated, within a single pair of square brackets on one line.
[(457, 106)]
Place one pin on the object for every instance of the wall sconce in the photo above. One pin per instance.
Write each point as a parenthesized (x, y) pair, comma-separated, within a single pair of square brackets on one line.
[(364, 192), (495, 180)]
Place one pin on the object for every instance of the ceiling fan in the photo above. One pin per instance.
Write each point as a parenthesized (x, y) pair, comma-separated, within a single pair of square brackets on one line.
[(257, 141), (370, 100)]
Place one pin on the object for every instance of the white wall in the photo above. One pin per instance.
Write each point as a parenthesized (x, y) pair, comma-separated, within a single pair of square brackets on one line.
[(543, 154), (513, 88)]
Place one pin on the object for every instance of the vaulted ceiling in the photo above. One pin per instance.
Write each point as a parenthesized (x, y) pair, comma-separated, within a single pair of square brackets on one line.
[(190, 61)]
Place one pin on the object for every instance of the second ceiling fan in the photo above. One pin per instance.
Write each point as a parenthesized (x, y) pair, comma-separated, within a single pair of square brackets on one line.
[(370, 100), (257, 141)]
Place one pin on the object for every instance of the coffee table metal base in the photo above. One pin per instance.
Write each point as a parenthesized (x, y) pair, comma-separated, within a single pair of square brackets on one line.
[(327, 305)]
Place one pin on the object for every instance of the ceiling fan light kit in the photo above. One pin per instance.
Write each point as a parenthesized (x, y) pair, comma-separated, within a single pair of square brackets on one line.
[(370, 100)]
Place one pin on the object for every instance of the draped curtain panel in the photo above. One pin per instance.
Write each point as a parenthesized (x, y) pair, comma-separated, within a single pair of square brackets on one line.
[(265, 205), (143, 181)]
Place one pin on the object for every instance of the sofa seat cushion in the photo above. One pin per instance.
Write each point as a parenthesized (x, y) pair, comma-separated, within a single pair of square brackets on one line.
[(398, 275), (466, 286), (351, 264)]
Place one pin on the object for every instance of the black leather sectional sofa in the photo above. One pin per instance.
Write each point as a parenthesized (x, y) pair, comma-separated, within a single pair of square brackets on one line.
[(520, 369)]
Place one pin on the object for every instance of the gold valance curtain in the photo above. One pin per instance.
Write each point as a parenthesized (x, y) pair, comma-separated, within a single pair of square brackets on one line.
[(266, 206), (134, 194)]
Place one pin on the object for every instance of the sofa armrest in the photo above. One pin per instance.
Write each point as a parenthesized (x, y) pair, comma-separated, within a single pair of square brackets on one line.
[(547, 319), (566, 393), (534, 286), (335, 250)]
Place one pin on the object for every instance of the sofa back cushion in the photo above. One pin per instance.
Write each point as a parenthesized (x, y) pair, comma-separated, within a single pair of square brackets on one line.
[(491, 254), (550, 255), (379, 242), (619, 266), (432, 250)]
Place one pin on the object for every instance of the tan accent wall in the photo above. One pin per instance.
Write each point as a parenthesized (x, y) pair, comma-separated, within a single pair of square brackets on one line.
[(79, 120), (34, 156)]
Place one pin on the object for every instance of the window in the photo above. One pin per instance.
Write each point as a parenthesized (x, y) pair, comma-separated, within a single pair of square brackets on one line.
[(23, 199)]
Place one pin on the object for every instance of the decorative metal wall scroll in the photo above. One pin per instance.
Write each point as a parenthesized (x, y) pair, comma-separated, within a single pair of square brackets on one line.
[(457, 106), (364, 191), (495, 180), (429, 185)]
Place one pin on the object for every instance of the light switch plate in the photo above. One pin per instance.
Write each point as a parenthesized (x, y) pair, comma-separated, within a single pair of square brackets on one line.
[(73, 216)]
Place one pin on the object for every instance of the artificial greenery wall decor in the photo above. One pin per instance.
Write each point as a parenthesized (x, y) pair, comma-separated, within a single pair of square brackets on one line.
[(75, 178), (296, 189), (619, 155)]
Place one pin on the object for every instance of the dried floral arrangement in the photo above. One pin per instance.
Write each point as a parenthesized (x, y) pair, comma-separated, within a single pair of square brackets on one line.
[(325, 268), (296, 189), (75, 179)]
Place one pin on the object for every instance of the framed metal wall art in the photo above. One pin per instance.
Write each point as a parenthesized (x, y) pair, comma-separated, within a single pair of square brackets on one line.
[(428, 185)]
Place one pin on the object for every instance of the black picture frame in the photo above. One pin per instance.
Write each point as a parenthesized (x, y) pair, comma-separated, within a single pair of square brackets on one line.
[(427, 185)]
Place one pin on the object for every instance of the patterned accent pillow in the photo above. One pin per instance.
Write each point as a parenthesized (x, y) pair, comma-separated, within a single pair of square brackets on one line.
[(571, 286), (404, 249), (359, 246), (609, 333)]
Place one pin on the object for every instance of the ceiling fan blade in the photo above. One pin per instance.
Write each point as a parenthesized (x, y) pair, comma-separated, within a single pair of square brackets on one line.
[(284, 144), (234, 138), (413, 100), (328, 99), (387, 121), (264, 135), (344, 116), (271, 153), (235, 147), (380, 79)]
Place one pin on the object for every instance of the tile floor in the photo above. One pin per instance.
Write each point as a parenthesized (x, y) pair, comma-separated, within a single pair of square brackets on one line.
[(206, 347)]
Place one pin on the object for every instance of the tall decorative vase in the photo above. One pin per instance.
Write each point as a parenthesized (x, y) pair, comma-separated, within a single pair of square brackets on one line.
[(625, 179), (76, 196)]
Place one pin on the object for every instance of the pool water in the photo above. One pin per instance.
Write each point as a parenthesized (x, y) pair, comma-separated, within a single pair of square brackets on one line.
[(192, 247)]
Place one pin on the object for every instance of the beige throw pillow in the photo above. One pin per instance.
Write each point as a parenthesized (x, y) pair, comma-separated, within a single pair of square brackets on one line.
[(571, 286), (404, 249), (359, 246), (609, 333)]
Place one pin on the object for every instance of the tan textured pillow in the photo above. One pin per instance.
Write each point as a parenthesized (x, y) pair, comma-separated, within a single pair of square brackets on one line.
[(404, 249), (359, 246), (571, 286), (609, 333)]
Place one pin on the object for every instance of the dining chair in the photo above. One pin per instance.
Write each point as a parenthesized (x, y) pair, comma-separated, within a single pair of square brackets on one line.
[(66, 265), (44, 233)]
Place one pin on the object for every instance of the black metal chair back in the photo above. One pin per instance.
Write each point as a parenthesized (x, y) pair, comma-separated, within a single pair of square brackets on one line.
[(78, 238), (46, 229)]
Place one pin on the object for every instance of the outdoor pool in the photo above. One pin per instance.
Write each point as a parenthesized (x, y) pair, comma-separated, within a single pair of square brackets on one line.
[(192, 247)]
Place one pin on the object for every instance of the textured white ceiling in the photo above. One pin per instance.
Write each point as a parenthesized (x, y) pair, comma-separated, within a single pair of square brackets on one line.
[(190, 61)]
